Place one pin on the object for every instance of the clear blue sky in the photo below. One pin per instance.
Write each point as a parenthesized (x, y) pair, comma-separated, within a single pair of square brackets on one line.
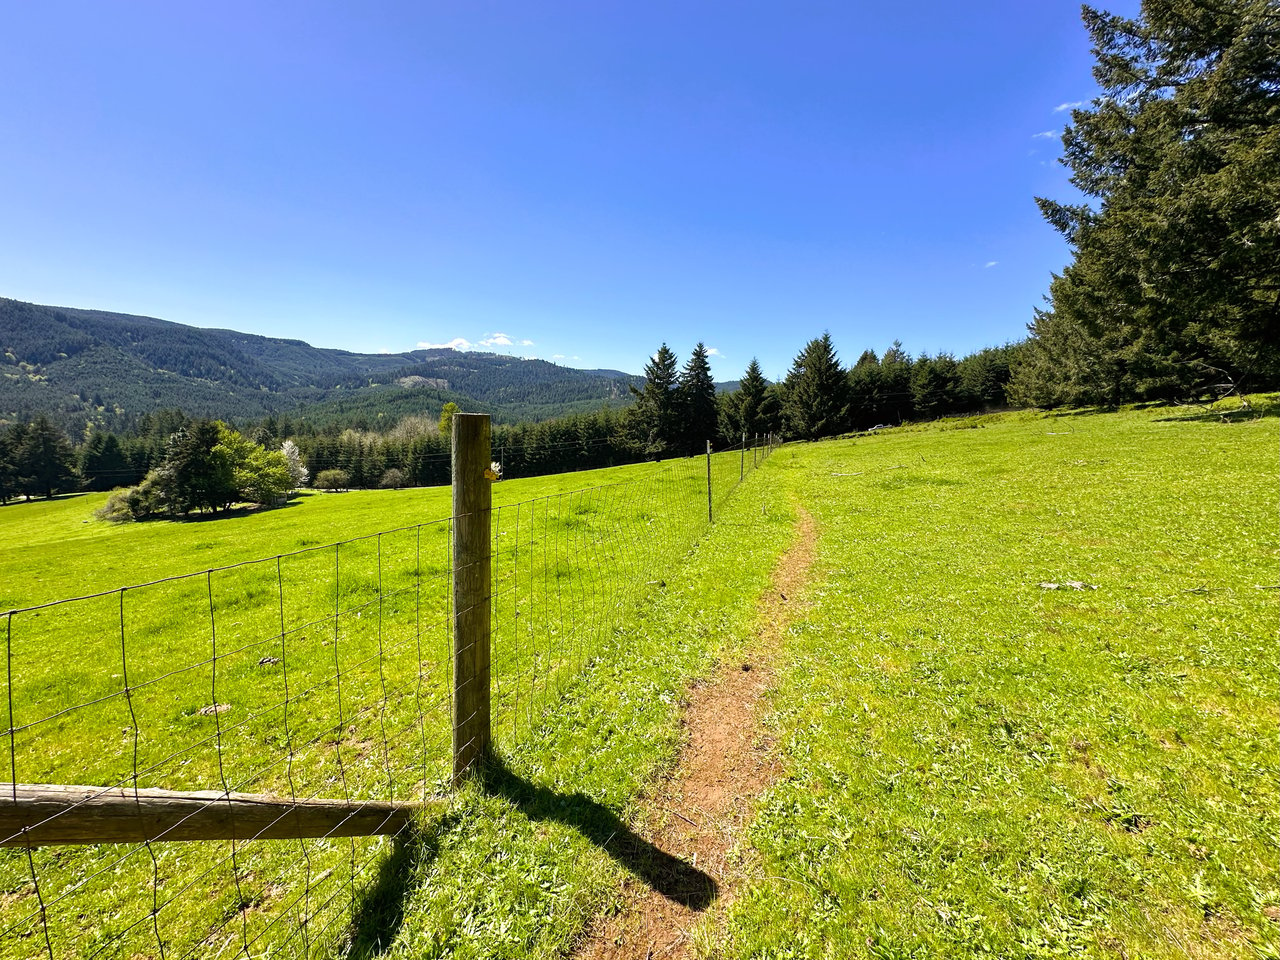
[(586, 179)]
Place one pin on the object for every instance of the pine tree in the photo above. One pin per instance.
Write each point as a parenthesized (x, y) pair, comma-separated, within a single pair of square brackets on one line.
[(654, 415), (817, 400), (935, 386), (699, 413), (10, 481), (895, 381), (1175, 283), (103, 463), (46, 461), (751, 396)]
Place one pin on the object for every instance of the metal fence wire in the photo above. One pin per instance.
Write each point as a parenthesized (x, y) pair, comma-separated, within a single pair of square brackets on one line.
[(318, 683)]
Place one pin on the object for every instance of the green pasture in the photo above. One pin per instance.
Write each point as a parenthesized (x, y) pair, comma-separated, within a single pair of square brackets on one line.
[(1030, 709), (978, 763), (320, 670)]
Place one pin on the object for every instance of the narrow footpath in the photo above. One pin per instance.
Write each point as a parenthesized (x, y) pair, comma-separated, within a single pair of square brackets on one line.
[(699, 811)]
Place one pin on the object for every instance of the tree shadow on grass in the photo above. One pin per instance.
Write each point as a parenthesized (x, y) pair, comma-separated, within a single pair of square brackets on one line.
[(1206, 414), (670, 876), (379, 911)]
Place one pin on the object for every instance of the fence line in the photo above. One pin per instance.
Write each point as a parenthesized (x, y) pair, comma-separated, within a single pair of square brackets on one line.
[(316, 680)]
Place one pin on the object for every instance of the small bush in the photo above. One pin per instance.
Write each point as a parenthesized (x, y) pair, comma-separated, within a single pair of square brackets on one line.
[(333, 480), (145, 500), (393, 479)]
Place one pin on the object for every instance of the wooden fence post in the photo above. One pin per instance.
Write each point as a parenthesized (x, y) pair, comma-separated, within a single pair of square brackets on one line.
[(710, 518), (472, 508), (742, 458)]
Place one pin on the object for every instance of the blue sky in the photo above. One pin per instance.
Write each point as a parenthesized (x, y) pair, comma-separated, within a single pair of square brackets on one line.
[(572, 181)]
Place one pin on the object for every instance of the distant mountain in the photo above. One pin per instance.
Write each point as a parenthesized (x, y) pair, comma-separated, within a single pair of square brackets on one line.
[(89, 366)]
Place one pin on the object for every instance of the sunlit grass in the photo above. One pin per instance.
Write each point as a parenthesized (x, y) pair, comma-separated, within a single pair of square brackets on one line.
[(208, 659), (979, 763)]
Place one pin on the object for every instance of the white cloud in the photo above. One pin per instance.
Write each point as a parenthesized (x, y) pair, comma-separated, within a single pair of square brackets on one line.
[(1068, 106), (989, 264), (457, 343), (1044, 135), (526, 343), (496, 340), (713, 352), (557, 356)]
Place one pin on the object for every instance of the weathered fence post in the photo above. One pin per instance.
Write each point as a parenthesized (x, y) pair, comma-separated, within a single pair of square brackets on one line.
[(710, 518), (742, 458), (472, 506)]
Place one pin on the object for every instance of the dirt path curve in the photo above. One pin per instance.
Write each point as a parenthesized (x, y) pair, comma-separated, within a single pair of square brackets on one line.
[(698, 812)]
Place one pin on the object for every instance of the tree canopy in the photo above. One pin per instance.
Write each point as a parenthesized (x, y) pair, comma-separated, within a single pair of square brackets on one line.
[(1174, 288), (817, 394), (699, 414)]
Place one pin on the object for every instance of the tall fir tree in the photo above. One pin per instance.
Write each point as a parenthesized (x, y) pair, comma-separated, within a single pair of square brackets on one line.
[(751, 395), (46, 461), (103, 463), (10, 479), (654, 414), (1174, 288), (817, 392), (699, 414)]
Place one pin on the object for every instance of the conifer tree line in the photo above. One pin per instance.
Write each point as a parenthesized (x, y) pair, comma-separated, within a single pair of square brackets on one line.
[(175, 465)]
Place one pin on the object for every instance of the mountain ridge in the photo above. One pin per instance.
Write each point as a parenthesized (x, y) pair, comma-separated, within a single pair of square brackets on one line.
[(101, 369)]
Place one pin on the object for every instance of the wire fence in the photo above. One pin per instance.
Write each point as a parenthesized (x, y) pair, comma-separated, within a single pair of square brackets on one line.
[(318, 682)]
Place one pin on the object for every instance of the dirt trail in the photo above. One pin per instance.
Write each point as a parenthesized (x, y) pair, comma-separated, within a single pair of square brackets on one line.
[(698, 812)]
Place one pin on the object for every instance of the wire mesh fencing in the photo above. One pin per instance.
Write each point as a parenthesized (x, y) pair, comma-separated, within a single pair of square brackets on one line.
[(312, 687)]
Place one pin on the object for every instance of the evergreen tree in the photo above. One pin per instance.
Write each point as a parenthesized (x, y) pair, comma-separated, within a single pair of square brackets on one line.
[(895, 381), (866, 388), (751, 396), (10, 480), (984, 376), (1175, 283), (104, 465), (935, 386), (654, 415), (817, 401), (45, 459), (699, 412), (196, 473)]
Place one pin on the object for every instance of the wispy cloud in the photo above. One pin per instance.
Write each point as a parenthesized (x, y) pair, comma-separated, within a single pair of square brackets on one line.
[(1068, 106), (1044, 135), (989, 264), (713, 352), (557, 356), (489, 341)]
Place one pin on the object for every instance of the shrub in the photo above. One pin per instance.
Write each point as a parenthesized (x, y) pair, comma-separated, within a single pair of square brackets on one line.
[(333, 480)]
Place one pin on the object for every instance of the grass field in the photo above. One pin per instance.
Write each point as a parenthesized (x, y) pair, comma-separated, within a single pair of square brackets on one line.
[(979, 758), (323, 672), (978, 764)]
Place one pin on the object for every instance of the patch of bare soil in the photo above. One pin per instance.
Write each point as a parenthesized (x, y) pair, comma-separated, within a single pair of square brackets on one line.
[(697, 813)]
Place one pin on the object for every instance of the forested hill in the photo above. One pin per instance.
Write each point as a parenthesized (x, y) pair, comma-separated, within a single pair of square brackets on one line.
[(81, 366)]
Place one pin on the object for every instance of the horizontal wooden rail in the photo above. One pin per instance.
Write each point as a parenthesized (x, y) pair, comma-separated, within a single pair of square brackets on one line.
[(33, 815)]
